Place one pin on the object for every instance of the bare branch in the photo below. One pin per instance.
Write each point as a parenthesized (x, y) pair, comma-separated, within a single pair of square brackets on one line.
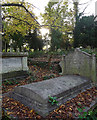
[(86, 2), (33, 5), (95, 17), (82, 11)]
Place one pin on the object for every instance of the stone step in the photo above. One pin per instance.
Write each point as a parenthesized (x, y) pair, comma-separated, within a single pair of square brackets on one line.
[(35, 95)]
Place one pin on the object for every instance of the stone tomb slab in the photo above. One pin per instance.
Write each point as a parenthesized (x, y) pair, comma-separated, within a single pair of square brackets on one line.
[(35, 95)]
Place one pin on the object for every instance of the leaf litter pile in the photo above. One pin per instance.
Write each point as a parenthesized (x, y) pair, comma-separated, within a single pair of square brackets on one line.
[(69, 110)]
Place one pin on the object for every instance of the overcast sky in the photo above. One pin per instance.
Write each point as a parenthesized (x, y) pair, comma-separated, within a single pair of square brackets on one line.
[(40, 4), (40, 7)]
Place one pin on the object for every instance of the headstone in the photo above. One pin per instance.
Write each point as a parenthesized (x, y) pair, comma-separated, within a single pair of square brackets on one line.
[(80, 63), (36, 95)]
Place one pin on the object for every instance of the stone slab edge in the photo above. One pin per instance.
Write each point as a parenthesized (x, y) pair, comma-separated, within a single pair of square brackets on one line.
[(14, 54), (92, 105), (14, 74), (70, 96)]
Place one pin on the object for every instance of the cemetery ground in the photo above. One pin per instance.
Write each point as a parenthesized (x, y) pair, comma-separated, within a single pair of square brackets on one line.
[(74, 108)]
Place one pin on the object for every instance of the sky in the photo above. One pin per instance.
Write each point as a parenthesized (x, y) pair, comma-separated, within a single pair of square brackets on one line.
[(40, 7)]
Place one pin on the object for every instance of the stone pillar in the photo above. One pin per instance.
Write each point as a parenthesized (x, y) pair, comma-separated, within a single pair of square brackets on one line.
[(0, 29), (24, 64), (62, 65), (0, 63), (11, 49), (93, 70)]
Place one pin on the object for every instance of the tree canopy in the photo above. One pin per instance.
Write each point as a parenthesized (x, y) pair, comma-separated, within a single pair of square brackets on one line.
[(60, 19), (18, 19), (58, 16), (85, 32)]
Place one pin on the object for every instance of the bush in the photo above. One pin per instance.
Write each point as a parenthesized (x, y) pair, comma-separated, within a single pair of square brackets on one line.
[(45, 54), (36, 54), (91, 51)]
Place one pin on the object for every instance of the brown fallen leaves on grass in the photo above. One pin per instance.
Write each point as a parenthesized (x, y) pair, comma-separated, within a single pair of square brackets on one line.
[(37, 74), (45, 59), (65, 111)]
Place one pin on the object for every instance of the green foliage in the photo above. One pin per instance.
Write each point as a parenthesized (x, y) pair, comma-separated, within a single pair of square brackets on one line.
[(36, 54), (60, 20), (90, 51), (53, 100), (6, 117), (91, 115), (16, 24), (10, 82), (7, 82), (34, 42), (57, 40), (32, 78), (18, 40), (48, 77), (85, 32)]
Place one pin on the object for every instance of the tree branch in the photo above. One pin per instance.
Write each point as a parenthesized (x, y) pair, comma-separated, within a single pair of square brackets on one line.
[(80, 14), (86, 2), (16, 19), (95, 17), (20, 5)]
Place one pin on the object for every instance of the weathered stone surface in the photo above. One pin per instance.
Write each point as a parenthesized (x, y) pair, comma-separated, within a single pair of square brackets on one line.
[(12, 63), (14, 74), (80, 63), (35, 95), (14, 54)]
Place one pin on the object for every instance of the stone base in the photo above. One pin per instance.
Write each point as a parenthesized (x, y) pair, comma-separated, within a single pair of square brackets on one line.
[(35, 95), (15, 74)]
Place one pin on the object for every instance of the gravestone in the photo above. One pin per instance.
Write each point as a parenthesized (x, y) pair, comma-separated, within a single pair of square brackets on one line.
[(35, 95), (80, 63), (79, 70)]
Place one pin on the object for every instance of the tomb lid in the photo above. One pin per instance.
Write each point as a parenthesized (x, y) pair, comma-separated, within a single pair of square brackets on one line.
[(58, 87)]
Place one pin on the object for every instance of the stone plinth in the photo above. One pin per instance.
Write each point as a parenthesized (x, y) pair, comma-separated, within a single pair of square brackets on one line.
[(13, 64), (35, 95)]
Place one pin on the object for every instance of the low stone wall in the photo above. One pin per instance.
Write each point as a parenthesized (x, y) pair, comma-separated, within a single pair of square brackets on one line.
[(13, 64), (80, 63)]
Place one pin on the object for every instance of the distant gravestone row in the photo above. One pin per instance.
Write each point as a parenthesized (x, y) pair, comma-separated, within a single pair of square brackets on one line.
[(79, 69)]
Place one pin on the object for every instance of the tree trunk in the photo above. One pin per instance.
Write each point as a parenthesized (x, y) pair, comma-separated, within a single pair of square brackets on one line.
[(0, 30)]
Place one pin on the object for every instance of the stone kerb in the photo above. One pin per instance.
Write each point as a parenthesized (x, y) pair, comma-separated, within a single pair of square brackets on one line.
[(13, 64), (79, 63)]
